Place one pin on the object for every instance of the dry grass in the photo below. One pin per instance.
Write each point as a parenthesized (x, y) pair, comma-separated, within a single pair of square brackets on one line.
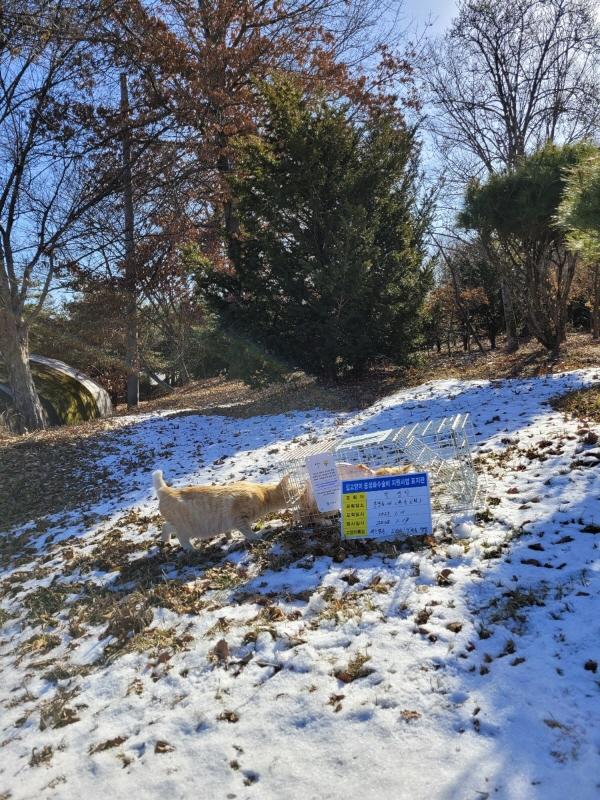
[(158, 642), (342, 608), (45, 602), (15, 548), (583, 404), (355, 669), (63, 671), (39, 644), (100, 747), (510, 604), (4, 617), (43, 756), (55, 713)]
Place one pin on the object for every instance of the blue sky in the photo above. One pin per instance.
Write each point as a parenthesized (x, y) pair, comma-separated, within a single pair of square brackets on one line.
[(421, 11)]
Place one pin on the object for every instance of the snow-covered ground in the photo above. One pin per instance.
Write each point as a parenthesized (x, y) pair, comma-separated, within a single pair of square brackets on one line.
[(130, 669)]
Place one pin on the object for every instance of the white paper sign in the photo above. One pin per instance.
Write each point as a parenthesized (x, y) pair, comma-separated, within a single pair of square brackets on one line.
[(386, 507), (324, 481)]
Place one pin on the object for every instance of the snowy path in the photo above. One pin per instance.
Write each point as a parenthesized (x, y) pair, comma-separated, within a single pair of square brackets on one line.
[(476, 657)]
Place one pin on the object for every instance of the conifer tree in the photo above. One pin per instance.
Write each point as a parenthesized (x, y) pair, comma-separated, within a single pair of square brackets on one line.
[(331, 271)]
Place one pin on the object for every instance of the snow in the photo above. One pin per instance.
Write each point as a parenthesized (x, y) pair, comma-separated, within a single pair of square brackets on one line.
[(473, 648)]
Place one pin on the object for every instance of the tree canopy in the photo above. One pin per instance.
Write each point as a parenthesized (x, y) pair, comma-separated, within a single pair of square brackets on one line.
[(579, 209), (331, 272), (518, 209)]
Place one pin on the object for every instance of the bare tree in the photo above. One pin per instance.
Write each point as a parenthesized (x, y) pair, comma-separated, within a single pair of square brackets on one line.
[(512, 75), (132, 355), (509, 76), (201, 62), (48, 180)]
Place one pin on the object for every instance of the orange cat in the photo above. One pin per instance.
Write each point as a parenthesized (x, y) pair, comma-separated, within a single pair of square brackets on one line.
[(348, 472), (202, 512), (394, 470)]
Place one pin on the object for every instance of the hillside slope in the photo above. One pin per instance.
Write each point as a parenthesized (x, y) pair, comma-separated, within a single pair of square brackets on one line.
[(466, 667)]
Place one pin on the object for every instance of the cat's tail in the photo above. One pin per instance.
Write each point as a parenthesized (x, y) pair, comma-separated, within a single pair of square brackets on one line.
[(158, 481)]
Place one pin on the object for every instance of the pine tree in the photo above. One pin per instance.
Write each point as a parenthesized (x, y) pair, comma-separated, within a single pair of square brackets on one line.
[(331, 271), (518, 208)]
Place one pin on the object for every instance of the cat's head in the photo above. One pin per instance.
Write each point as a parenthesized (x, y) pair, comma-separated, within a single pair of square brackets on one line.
[(292, 491)]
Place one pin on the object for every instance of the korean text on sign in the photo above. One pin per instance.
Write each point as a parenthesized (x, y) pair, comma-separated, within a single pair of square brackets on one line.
[(388, 507)]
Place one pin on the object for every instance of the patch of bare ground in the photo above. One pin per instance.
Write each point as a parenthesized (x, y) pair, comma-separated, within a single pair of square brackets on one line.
[(44, 475), (583, 404), (580, 351)]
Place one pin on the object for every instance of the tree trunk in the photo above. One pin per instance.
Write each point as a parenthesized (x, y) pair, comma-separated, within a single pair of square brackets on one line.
[(15, 349), (230, 219), (596, 304), (554, 348), (166, 386), (131, 355), (512, 338), (548, 283)]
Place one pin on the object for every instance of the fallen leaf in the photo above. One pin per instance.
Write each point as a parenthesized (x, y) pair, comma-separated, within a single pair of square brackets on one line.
[(164, 657), (101, 746), (422, 616), (454, 627), (221, 651), (443, 577), (408, 715), (228, 716)]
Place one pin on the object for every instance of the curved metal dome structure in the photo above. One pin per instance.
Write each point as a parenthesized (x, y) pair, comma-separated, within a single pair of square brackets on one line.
[(67, 395)]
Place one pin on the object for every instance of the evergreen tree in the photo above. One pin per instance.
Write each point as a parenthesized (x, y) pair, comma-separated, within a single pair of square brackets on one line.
[(331, 272), (518, 209), (579, 216)]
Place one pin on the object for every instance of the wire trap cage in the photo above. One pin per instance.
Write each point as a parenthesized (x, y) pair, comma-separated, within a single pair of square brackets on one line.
[(440, 447)]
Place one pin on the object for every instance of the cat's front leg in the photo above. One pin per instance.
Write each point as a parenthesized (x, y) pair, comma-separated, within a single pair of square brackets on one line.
[(167, 532), (185, 542), (245, 528)]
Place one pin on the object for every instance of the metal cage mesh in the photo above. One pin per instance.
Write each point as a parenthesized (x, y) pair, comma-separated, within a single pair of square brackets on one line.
[(441, 447), (294, 467)]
